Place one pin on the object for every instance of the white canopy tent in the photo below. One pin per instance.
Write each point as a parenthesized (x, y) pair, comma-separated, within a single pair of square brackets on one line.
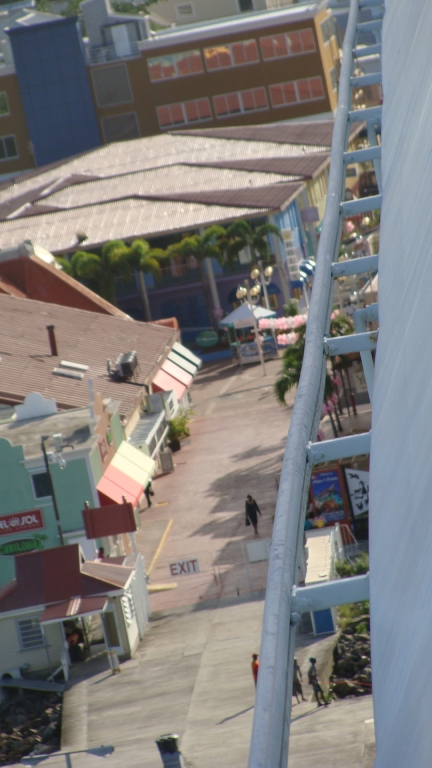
[(242, 316)]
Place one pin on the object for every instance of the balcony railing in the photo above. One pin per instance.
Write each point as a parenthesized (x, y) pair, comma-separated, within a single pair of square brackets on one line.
[(102, 54)]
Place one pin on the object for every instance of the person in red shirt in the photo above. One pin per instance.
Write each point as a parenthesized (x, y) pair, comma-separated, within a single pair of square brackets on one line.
[(255, 667)]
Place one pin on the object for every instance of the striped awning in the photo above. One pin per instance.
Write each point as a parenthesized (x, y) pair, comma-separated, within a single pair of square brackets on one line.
[(126, 477)]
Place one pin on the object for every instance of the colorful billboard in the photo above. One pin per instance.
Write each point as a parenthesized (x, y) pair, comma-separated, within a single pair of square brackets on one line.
[(328, 496)]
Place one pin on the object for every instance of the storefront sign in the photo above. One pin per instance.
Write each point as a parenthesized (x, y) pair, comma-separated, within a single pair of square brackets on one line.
[(184, 568), (20, 522), (328, 495), (358, 489), (19, 546)]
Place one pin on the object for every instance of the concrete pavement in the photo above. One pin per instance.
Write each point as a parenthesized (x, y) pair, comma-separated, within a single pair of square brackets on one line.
[(237, 440), (192, 676)]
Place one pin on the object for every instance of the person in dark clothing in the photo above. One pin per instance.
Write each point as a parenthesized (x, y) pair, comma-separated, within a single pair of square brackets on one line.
[(251, 512), (148, 491), (297, 686), (314, 682)]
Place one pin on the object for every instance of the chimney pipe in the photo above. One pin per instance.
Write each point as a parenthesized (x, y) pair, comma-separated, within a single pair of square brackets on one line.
[(52, 340)]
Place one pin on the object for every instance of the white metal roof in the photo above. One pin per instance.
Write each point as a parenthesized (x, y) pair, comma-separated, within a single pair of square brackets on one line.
[(124, 220), (172, 178)]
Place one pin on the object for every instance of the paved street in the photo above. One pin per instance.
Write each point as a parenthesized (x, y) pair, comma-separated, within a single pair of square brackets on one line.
[(238, 436), (191, 674)]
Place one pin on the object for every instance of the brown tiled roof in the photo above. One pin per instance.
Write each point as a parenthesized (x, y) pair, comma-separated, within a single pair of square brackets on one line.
[(53, 575), (88, 338), (306, 132), (270, 197), (305, 167)]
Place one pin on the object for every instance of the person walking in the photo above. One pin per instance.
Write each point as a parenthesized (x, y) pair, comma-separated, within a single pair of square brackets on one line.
[(314, 682), (255, 667), (297, 686), (252, 508), (148, 491)]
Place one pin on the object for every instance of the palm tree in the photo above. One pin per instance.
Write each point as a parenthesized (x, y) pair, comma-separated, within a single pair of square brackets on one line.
[(240, 234), (98, 272), (146, 260), (292, 360), (201, 247)]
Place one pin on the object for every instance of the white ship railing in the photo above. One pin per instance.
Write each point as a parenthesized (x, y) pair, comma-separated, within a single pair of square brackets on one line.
[(271, 723)]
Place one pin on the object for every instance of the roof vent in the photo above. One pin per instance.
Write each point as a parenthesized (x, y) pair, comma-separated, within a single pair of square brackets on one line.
[(74, 366), (68, 374)]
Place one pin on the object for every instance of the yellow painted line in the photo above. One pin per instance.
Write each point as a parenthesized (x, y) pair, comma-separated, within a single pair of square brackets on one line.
[(151, 588), (159, 547)]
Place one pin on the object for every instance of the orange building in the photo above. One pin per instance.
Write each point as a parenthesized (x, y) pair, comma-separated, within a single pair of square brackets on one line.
[(263, 67), (268, 67)]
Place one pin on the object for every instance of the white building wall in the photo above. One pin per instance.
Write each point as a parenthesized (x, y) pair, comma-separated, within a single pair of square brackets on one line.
[(401, 456)]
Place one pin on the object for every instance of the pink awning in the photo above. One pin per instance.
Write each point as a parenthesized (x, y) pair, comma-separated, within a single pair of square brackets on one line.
[(165, 383), (177, 373), (115, 484), (70, 609)]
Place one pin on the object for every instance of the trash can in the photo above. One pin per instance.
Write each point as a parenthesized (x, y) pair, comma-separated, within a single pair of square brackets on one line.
[(169, 751)]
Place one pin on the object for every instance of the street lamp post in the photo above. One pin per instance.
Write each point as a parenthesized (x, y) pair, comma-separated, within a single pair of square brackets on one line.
[(262, 278), (250, 296), (51, 487)]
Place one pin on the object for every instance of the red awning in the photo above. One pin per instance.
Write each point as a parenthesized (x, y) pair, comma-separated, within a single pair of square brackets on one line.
[(109, 520), (70, 609), (177, 373), (115, 484), (165, 383)]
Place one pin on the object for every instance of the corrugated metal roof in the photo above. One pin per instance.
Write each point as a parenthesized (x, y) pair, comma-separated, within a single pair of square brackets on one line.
[(304, 166), (157, 151), (174, 178), (125, 220), (305, 132), (270, 197), (82, 337)]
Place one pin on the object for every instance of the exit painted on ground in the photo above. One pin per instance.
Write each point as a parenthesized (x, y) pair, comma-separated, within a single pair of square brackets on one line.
[(184, 567)]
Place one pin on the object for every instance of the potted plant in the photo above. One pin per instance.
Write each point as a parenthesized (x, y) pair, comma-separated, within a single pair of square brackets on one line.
[(178, 429)]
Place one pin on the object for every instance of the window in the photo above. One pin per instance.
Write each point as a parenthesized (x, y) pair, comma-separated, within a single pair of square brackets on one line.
[(185, 11), (245, 5), (4, 106), (328, 29), (234, 55), (111, 85), (30, 634), (176, 65), (243, 101), (8, 147), (41, 485), (120, 127), (290, 44), (184, 113), (333, 78), (309, 89)]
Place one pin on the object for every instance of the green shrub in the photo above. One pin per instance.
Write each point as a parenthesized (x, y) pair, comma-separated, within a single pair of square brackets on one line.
[(345, 568), (291, 308), (178, 426)]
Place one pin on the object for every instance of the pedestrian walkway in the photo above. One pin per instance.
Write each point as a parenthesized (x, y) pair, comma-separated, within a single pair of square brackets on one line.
[(192, 676), (236, 446)]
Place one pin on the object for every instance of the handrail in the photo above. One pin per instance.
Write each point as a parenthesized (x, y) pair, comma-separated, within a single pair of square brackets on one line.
[(271, 723)]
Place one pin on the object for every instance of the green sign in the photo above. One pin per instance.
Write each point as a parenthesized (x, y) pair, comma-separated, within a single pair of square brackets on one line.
[(19, 546), (207, 338)]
